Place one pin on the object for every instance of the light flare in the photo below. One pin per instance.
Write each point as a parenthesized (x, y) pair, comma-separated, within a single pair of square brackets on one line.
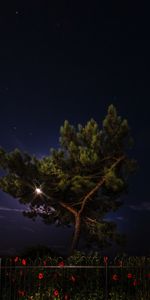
[(38, 191)]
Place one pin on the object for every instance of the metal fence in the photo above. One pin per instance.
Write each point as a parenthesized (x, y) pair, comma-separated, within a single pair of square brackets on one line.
[(51, 282)]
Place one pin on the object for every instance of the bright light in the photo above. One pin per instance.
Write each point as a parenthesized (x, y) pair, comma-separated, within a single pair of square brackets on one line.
[(38, 191)]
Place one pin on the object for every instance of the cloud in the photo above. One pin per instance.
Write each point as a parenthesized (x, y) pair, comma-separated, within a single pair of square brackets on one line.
[(141, 206), (39, 209), (114, 218), (2, 208), (120, 218)]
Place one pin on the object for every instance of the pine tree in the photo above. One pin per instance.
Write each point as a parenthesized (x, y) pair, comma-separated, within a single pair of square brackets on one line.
[(79, 183)]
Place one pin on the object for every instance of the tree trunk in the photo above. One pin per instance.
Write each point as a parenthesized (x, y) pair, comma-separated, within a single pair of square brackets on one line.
[(76, 236)]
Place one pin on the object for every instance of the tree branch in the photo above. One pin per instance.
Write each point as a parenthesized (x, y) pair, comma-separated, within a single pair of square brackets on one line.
[(91, 220), (100, 183), (69, 208)]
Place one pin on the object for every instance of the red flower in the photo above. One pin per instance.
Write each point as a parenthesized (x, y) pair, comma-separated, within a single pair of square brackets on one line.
[(105, 259), (44, 262), (16, 259), (135, 282), (24, 262), (21, 293), (115, 277), (56, 293), (40, 276), (72, 278), (147, 275), (66, 297), (61, 264), (129, 275)]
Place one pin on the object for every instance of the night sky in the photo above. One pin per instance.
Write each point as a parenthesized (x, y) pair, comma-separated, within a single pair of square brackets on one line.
[(67, 61)]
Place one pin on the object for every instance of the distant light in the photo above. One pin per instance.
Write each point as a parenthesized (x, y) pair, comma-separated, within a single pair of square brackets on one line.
[(38, 191)]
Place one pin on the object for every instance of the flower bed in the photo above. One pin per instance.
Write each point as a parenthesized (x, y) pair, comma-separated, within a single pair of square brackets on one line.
[(78, 277)]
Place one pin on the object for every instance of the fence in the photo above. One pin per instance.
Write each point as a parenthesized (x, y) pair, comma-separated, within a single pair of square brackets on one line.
[(97, 282)]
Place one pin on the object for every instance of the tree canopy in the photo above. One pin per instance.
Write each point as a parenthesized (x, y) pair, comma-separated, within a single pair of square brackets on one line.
[(80, 182)]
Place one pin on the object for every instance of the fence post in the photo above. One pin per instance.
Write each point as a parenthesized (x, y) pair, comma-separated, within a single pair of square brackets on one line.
[(106, 283)]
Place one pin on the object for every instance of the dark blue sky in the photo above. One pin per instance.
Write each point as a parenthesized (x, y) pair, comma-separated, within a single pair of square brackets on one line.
[(69, 62)]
